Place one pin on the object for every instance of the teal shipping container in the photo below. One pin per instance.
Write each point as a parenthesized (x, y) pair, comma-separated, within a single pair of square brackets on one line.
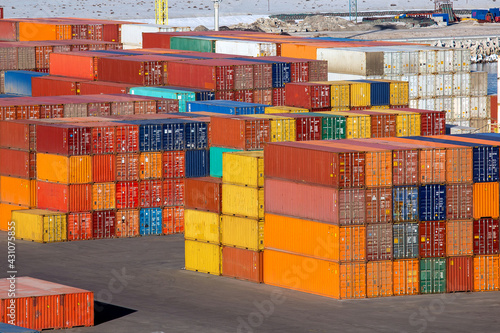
[(191, 43), (433, 275), (182, 96), (216, 160)]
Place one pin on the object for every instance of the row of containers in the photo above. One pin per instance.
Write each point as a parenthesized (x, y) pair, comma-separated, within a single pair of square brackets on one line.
[(422, 219)]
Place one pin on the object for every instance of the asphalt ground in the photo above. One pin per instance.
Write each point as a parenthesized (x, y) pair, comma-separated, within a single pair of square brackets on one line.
[(140, 286)]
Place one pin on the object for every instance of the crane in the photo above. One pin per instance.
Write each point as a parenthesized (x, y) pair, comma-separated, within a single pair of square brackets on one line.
[(353, 10), (161, 12)]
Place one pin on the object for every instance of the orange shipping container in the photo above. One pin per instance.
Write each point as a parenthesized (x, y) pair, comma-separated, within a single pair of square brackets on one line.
[(173, 220), (459, 165), (432, 166), (6, 214), (103, 168), (485, 200), (315, 276), (127, 223), (103, 196), (73, 65), (459, 238), (79, 226), (242, 264), (379, 278), (18, 191), (31, 31), (127, 167), (315, 239), (64, 169), (406, 277), (150, 166), (486, 273)]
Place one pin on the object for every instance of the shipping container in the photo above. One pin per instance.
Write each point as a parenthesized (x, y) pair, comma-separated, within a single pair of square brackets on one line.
[(47, 305), (333, 126), (432, 202), (17, 163), (203, 194), (314, 202), (173, 220), (240, 133), (308, 95), (173, 192), (103, 196), (486, 273), (433, 275), (379, 242), (197, 163), (127, 194), (243, 201), (127, 139), (330, 279), (203, 257), (39, 225), (79, 226), (282, 128), (486, 238), (406, 240), (243, 168), (242, 232), (64, 170), (127, 223), (459, 238), (136, 71), (104, 168), (432, 239), (174, 164), (486, 200), (19, 82), (406, 277), (334, 166), (18, 191), (379, 205), (64, 198), (20, 134), (63, 139), (405, 203), (150, 166), (242, 264), (151, 193), (379, 278), (202, 226), (459, 274), (5, 214), (150, 221)]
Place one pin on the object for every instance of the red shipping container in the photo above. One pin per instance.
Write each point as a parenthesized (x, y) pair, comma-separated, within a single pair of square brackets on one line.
[(459, 201), (103, 168), (54, 86), (127, 167), (459, 274), (174, 164), (63, 139), (111, 32), (332, 166), (263, 96), (382, 125), (405, 167), (494, 113), (242, 264), (127, 194), (486, 236), (145, 107), (173, 192), (19, 134), (8, 30), (432, 122), (79, 226), (51, 111), (218, 74), (127, 138), (240, 132), (379, 242), (432, 239), (245, 96), (125, 70), (127, 223), (279, 96), (7, 113), (103, 224), (17, 163), (74, 64), (151, 192), (379, 205), (308, 128), (299, 68), (64, 198), (173, 220), (225, 95), (28, 111), (204, 194), (320, 203), (103, 137), (103, 87), (165, 105), (308, 95)]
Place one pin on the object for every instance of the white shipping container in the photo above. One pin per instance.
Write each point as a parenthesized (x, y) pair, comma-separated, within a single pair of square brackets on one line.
[(480, 107), (461, 107), (413, 85), (444, 104), (132, 33), (461, 62), (427, 58), (459, 127), (393, 64), (461, 84), (413, 103), (410, 61), (444, 63), (426, 85), (356, 60), (427, 104), (439, 85), (483, 125), (245, 48), (478, 83), (345, 77)]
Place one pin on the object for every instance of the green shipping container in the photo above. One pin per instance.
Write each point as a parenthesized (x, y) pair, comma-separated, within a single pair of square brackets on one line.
[(192, 44), (216, 160), (432, 275), (333, 127), (181, 95)]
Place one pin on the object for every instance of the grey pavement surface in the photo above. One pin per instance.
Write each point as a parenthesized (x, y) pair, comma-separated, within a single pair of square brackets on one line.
[(141, 287)]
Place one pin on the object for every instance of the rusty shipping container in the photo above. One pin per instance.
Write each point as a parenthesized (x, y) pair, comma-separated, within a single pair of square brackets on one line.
[(103, 224), (203, 194)]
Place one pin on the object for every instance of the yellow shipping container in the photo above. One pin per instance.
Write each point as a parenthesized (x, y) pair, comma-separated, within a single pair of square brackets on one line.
[(39, 225), (360, 93), (379, 107), (315, 276), (358, 126), (242, 232), (340, 93), (399, 91), (18, 191), (103, 196), (285, 109), (343, 108), (485, 200), (6, 214), (202, 257), (63, 169), (315, 239), (407, 123), (243, 201), (202, 226), (243, 168), (282, 128)]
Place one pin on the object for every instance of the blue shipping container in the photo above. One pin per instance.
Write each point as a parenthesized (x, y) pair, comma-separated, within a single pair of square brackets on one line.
[(405, 203), (380, 93), (6, 328), (150, 221), (150, 134), (432, 202), (174, 135), (196, 135), (405, 240), (19, 82), (495, 12), (226, 107), (479, 14), (281, 71), (197, 163)]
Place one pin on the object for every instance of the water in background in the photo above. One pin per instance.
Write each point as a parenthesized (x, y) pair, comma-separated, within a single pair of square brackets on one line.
[(491, 68)]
